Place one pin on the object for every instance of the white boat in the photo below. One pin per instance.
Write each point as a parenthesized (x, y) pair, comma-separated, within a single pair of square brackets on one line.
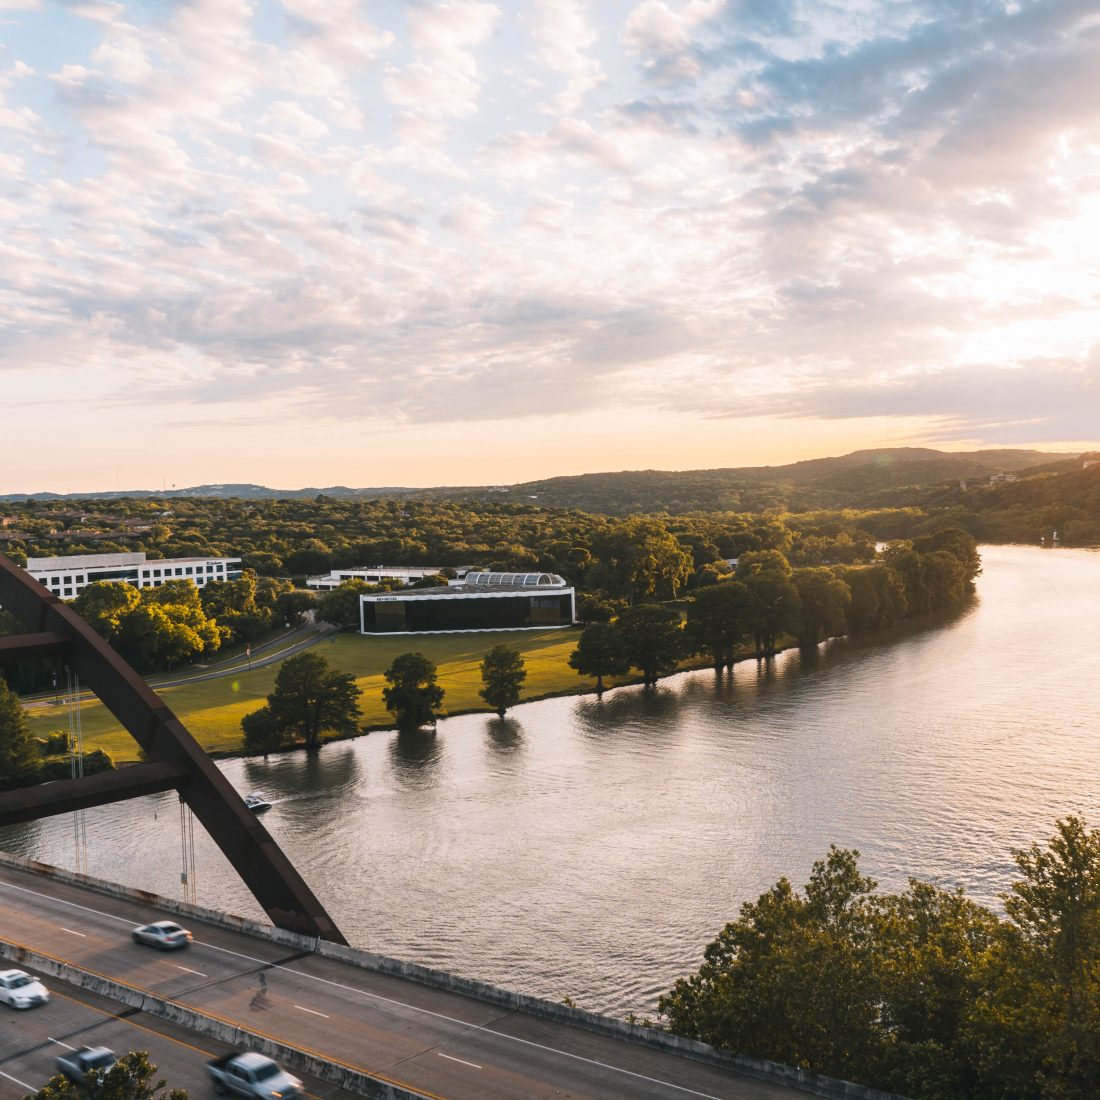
[(256, 802)]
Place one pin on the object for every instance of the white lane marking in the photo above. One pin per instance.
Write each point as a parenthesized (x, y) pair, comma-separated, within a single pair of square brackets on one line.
[(450, 1059), (190, 971), (21, 1084), (400, 1004), (499, 1034), (59, 1043), (82, 935), (312, 1012)]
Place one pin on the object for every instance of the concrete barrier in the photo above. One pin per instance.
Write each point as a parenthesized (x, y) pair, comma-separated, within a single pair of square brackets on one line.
[(760, 1068), (213, 1027)]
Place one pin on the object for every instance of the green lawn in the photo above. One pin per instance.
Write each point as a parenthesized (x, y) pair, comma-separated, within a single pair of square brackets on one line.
[(212, 711)]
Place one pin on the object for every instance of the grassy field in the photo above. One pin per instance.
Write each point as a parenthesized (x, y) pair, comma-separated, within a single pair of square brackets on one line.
[(212, 710)]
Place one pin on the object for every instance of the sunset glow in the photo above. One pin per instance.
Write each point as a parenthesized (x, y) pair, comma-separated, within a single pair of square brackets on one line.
[(318, 242)]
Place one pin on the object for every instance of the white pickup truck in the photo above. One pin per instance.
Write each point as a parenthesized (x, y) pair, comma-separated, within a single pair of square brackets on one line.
[(252, 1075)]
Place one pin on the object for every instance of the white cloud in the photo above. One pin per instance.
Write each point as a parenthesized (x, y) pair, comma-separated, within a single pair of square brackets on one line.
[(842, 211)]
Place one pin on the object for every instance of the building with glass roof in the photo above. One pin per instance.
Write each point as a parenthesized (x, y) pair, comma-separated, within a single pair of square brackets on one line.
[(479, 601)]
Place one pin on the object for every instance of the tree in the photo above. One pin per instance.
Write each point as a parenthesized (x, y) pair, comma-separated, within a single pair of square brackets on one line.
[(792, 978), (642, 559), (502, 673), (290, 607), (237, 607), (823, 600), (1037, 1029), (653, 640), (103, 605), (152, 628), (340, 606), (600, 653), (594, 608), (717, 621), (310, 699), (773, 607), (878, 596), (960, 544), (18, 750), (413, 695), (261, 735)]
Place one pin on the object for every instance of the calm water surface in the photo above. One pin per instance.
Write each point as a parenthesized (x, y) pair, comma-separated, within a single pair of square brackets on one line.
[(592, 848)]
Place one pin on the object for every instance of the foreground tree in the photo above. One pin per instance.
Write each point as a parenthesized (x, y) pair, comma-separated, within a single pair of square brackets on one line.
[(309, 700), (600, 653), (653, 640), (1037, 1029), (18, 751), (923, 993), (130, 1078), (502, 673), (414, 694)]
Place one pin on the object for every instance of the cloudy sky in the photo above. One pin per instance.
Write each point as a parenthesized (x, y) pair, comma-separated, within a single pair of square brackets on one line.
[(316, 242)]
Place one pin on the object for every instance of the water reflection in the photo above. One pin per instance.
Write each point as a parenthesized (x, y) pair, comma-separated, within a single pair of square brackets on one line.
[(505, 736), (415, 756), (290, 775)]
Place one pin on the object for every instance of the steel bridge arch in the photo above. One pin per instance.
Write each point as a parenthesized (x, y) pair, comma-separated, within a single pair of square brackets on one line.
[(175, 761)]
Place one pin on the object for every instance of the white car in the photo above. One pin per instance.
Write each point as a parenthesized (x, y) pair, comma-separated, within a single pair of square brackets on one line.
[(20, 990), (162, 933)]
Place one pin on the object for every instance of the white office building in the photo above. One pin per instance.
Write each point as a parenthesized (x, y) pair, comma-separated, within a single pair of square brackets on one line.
[(376, 574), (66, 577)]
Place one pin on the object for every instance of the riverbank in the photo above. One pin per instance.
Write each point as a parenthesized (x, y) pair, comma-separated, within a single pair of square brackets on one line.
[(212, 710)]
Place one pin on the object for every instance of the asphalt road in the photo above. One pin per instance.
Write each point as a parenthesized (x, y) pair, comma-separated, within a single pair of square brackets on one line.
[(441, 1043), (31, 1041)]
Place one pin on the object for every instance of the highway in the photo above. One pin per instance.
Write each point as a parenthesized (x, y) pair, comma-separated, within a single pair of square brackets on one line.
[(429, 1040), (31, 1041)]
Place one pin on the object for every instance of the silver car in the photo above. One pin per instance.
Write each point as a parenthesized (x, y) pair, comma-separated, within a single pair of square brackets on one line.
[(165, 934), (20, 990)]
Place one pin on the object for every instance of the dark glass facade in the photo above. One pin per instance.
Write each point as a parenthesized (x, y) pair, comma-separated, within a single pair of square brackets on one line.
[(505, 611)]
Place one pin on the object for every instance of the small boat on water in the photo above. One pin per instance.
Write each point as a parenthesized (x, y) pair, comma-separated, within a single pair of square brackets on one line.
[(256, 802)]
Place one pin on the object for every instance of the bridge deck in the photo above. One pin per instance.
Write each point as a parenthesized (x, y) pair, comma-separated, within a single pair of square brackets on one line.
[(433, 1041)]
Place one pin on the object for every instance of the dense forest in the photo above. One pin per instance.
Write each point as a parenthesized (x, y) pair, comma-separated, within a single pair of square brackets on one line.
[(998, 496)]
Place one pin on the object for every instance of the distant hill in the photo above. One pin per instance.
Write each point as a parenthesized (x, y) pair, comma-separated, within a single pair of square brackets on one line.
[(849, 480), (242, 491), (864, 478)]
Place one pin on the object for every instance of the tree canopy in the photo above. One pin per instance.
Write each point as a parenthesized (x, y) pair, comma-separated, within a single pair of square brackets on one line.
[(18, 750), (502, 673), (600, 652), (413, 695), (923, 993), (310, 699), (653, 640)]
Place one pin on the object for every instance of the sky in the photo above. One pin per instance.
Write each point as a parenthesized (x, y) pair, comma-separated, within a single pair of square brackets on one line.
[(334, 242)]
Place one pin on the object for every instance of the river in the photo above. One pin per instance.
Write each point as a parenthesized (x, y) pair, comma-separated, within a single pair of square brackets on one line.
[(592, 848)]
